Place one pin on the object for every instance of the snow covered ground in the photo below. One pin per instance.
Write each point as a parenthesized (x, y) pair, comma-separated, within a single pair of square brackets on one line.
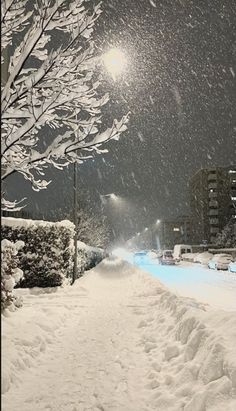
[(117, 340)]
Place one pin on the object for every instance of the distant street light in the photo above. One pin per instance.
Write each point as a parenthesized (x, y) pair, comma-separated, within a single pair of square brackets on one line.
[(111, 196), (115, 62)]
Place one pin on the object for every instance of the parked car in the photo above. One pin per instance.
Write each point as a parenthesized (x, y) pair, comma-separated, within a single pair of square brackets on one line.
[(232, 267), (180, 249), (152, 254), (167, 258), (203, 258), (188, 257), (220, 262)]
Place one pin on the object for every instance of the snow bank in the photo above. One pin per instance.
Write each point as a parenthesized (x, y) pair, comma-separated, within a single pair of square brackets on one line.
[(114, 267), (196, 352), (135, 346), (203, 258), (28, 332)]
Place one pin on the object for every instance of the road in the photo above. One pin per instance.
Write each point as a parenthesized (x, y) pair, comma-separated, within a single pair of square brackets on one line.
[(216, 288)]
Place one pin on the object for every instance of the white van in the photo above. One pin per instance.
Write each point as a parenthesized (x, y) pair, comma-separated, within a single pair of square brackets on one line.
[(180, 249)]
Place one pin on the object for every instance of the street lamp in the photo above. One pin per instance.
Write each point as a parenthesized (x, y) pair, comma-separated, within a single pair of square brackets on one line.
[(112, 202), (115, 62), (112, 196)]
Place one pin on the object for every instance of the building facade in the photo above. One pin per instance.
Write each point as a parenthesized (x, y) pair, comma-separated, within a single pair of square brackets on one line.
[(213, 202), (164, 234), (173, 231)]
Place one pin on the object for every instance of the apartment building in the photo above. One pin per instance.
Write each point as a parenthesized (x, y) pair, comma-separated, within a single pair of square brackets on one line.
[(174, 231), (213, 201)]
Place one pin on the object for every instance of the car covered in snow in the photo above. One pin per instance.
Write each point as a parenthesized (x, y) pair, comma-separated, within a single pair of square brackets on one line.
[(188, 257), (152, 254), (220, 261), (232, 267), (140, 257), (180, 249), (203, 258), (167, 258)]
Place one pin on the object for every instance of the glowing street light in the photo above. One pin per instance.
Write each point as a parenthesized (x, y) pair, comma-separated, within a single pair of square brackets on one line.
[(158, 222), (112, 196), (115, 62)]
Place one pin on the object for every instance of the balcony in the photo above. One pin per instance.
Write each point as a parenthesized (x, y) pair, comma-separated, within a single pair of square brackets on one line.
[(214, 230), (212, 185), (213, 212), (211, 177), (214, 221), (213, 203), (212, 194)]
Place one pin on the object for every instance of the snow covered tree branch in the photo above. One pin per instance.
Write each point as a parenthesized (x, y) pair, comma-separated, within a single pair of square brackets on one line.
[(50, 88)]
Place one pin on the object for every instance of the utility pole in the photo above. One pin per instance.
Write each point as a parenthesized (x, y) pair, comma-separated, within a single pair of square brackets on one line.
[(163, 235), (185, 231), (75, 268)]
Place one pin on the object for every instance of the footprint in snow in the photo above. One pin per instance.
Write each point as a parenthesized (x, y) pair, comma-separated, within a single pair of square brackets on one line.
[(149, 346)]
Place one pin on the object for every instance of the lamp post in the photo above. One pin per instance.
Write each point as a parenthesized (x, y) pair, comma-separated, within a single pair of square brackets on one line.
[(115, 62), (114, 201), (75, 187)]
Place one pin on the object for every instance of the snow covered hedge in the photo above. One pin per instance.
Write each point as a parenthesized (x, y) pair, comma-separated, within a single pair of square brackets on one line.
[(88, 257), (47, 256), (10, 273)]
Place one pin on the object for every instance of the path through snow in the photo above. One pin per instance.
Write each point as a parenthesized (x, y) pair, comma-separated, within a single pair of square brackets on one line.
[(118, 340)]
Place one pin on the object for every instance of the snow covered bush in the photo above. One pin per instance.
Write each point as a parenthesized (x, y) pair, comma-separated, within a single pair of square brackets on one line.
[(46, 88), (88, 257), (47, 256), (10, 273), (227, 237)]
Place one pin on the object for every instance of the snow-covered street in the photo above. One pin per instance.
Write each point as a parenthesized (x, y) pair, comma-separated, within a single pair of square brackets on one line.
[(216, 288), (117, 340)]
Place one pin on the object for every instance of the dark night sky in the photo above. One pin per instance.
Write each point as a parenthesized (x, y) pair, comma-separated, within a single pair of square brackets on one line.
[(180, 88)]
